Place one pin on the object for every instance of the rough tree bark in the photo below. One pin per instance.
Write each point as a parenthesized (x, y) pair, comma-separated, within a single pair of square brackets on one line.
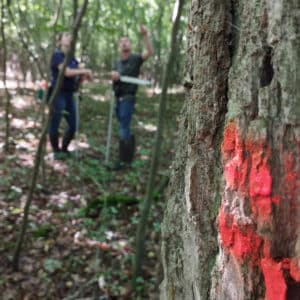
[(232, 224)]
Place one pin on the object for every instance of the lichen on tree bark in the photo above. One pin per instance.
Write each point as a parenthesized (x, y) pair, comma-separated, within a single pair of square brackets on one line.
[(189, 233), (243, 62)]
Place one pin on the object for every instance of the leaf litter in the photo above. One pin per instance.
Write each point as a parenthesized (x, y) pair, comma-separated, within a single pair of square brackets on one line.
[(67, 251)]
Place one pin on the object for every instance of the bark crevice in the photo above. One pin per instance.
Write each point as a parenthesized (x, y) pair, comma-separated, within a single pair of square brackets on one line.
[(267, 70), (235, 30)]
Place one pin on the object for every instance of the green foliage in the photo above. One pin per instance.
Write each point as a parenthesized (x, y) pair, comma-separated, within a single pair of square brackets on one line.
[(156, 226), (133, 178), (43, 231), (140, 284), (105, 22), (52, 265), (74, 263), (92, 170), (94, 207)]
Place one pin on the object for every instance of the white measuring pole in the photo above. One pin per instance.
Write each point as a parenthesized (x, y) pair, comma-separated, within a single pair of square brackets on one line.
[(134, 80), (76, 97), (109, 130)]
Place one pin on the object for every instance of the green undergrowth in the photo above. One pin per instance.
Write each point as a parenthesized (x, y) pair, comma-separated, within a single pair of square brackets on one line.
[(94, 207), (81, 198)]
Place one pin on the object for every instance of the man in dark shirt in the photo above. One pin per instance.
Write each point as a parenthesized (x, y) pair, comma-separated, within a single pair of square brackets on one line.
[(125, 93)]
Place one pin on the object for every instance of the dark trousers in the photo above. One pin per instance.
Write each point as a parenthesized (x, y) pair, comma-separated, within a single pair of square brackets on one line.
[(124, 111), (65, 106)]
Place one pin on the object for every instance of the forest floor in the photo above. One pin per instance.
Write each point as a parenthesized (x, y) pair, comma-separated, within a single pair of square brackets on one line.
[(83, 219)]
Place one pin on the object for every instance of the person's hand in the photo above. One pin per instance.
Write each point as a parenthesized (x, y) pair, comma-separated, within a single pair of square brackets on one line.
[(115, 76), (88, 75), (144, 30)]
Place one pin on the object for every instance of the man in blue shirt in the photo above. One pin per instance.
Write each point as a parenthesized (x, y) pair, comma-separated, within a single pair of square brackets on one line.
[(125, 93), (65, 104)]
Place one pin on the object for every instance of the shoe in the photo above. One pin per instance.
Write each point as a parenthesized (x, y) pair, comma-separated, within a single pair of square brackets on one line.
[(54, 142), (66, 141), (127, 149)]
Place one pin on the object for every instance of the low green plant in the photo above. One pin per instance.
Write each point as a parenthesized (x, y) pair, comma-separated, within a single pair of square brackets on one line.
[(43, 231)]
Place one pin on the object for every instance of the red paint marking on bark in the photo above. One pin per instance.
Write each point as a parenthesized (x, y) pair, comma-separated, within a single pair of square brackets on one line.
[(276, 287), (228, 145), (236, 173), (241, 240), (276, 200), (246, 243), (267, 248), (231, 174), (295, 269), (247, 170), (254, 146), (225, 225), (262, 208), (243, 176), (236, 167), (273, 271), (260, 180)]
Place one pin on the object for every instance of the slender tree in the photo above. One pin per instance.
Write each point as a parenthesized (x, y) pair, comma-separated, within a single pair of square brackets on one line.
[(24, 41), (75, 8), (48, 78), (38, 157), (4, 61), (140, 239), (157, 44), (57, 13)]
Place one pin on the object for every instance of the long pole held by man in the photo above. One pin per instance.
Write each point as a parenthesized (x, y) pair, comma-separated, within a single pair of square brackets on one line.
[(125, 85)]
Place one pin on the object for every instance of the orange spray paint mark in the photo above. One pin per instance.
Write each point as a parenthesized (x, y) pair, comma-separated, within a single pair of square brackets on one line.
[(228, 145), (246, 243), (247, 170), (242, 241), (225, 225), (295, 269), (276, 287)]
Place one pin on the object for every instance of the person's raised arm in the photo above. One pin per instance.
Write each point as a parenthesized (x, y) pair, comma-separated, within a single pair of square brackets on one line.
[(149, 48)]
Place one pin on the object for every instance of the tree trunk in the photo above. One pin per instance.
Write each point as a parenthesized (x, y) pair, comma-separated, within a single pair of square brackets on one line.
[(232, 225), (6, 92), (24, 38), (157, 45), (141, 231)]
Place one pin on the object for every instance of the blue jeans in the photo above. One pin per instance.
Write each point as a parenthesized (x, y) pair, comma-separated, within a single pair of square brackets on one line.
[(124, 112), (65, 105)]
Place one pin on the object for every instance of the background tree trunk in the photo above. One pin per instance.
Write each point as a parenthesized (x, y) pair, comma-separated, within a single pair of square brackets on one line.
[(141, 231), (246, 52), (6, 92)]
